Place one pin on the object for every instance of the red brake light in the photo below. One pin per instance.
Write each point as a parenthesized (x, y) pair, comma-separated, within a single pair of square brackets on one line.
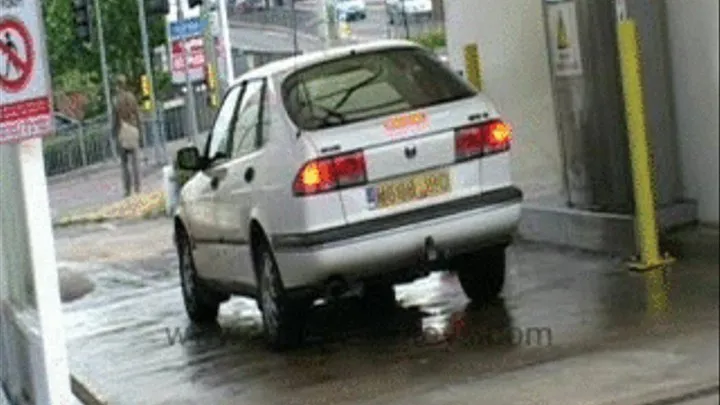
[(485, 139), (330, 173)]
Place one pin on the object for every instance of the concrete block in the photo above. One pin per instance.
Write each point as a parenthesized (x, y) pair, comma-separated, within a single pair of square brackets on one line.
[(548, 220)]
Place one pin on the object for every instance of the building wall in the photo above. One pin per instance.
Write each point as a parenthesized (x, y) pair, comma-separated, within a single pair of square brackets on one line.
[(512, 45), (693, 26)]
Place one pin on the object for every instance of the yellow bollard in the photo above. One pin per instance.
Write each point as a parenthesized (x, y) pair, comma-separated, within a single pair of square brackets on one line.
[(345, 30), (472, 66), (649, 260)]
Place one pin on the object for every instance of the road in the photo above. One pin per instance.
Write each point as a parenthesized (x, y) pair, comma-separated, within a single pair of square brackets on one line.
[(130, 340), (372, 28)]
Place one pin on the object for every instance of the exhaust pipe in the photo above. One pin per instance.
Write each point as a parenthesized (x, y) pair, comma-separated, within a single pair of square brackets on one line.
[(431, 250)]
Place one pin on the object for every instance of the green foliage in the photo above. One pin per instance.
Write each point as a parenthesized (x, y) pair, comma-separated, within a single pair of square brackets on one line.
[(432, 40), (74, 65), (87, 83), (163, 85)]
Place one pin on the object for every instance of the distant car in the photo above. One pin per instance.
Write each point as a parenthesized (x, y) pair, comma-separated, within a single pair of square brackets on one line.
[(350, 169), (248, 6), (63, 123), (350, 10), (413, 10)]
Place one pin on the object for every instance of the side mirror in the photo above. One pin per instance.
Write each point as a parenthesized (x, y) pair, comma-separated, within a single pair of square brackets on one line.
[(189, 158)]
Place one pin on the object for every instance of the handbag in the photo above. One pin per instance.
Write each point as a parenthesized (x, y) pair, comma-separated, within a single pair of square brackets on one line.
[(129, 136)]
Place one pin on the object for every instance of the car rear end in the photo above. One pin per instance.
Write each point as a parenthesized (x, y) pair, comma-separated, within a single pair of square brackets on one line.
[(349, 10), (418, 161)]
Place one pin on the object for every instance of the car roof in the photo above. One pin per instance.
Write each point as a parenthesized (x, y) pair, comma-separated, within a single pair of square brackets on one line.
[(293, 63)]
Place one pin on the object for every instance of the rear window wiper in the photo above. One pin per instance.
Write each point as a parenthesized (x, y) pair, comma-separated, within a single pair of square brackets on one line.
[(331, 113)]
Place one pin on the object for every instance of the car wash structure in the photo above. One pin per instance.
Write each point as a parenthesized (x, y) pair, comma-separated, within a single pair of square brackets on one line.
[(33, 356), (589, 123)]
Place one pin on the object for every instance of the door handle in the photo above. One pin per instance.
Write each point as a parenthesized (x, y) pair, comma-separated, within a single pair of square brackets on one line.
[(249, 174), (215, 182), (217, 177)]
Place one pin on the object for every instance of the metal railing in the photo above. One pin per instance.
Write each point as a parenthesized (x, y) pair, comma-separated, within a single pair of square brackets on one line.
[(89, 143)]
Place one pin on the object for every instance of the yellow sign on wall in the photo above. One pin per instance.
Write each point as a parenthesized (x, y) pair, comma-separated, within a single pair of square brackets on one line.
[(472, 65), (564, 39)]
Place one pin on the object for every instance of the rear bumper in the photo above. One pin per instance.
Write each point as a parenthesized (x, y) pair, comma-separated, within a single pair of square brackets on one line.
[(389, 244)]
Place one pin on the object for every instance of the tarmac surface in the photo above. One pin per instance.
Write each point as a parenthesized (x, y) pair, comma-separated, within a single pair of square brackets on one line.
[(571, 328)]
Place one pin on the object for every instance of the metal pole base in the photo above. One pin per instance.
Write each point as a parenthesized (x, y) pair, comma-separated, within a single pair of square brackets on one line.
[(639, 266)]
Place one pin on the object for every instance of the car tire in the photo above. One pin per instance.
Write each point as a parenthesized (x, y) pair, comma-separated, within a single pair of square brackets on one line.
[(482, 275), (378, 296), (201, 304), (284, 318)]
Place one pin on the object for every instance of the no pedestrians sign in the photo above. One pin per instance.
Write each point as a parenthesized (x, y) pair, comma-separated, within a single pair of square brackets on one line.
[(25, 95)]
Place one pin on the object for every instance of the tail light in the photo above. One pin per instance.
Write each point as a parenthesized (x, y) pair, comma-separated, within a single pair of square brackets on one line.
[(482, 140), (331, 173)]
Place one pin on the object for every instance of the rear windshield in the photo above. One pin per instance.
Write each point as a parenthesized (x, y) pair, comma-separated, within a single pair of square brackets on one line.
[(369, 85)]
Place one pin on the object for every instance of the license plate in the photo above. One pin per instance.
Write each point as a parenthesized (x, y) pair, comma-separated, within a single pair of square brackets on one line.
[(392, 193)]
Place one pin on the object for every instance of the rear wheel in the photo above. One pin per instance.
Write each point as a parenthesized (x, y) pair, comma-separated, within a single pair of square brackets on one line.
[(284, 318), (482, 274), (201, 303)]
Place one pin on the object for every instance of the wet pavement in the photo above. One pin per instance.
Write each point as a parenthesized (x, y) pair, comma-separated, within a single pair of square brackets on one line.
[(130, 340)]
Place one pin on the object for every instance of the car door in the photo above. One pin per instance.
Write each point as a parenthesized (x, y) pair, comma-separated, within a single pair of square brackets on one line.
[(200, 191), (234, 193)]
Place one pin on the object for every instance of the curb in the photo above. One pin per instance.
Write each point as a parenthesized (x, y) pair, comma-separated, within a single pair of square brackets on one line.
[(84, 394), (83, 220), (271, 27), (153, 206)]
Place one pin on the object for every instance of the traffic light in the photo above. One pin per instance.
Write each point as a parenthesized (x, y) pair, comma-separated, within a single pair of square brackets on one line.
[(211, 81), (83, 20), (194, 3), (158, 7), (146, 90)]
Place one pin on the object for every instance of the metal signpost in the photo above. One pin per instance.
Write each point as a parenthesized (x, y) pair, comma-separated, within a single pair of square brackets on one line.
[(182, 31), (105, 72), (157, 137), (32, 340), (210, 45), (229, 70)]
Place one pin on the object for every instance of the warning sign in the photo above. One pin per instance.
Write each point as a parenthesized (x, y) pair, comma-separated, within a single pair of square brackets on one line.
[(25, 106), (564, 39), (16, 48)]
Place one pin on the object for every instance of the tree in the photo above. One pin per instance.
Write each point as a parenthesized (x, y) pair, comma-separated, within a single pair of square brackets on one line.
[(70, 60)]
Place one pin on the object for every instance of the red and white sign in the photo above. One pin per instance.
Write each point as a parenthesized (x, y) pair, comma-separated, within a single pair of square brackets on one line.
[(196, 56), (25, 96)]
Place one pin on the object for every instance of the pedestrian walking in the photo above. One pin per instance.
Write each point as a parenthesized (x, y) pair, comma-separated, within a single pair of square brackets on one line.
[(126, 127)]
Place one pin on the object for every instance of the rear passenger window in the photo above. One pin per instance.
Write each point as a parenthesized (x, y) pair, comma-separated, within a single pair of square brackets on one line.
[(369, 85), (247, 127)]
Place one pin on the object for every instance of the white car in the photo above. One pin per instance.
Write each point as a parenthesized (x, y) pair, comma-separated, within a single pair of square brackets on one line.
[(350, 10), (412, 10), (350, 169)]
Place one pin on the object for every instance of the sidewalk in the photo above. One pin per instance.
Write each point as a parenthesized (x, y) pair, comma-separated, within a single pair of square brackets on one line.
[(87, 191)]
